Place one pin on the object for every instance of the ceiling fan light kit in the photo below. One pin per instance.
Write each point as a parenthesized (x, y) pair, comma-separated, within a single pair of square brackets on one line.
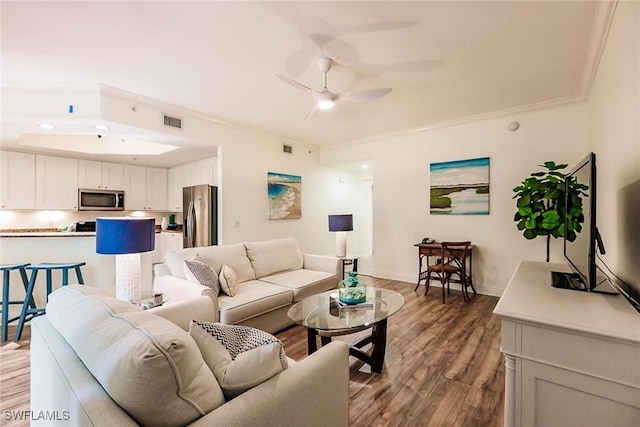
[(325, 100)]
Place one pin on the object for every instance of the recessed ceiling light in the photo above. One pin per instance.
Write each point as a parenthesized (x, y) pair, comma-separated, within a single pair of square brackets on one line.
[(46, 126), (101, 127), (365, 166)]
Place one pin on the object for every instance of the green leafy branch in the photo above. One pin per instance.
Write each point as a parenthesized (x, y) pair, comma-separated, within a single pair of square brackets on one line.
[(541, 205)]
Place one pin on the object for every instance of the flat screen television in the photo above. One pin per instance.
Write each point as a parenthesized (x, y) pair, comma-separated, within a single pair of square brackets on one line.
[(582, 240)]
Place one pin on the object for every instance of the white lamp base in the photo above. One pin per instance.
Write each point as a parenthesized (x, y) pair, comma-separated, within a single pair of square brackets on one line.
[(341, 243), (128, 277)]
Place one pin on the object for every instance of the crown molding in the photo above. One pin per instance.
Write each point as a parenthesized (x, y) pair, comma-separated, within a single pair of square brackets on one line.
[(462, 120), (605, 10)]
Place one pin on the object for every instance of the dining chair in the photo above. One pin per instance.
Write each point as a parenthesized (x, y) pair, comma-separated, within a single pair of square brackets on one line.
[(453, 260)]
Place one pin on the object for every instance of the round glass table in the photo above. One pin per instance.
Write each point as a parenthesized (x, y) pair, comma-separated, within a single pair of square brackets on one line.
[(324, 317)]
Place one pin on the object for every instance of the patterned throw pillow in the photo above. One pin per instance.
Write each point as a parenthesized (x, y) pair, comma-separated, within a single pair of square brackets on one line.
[(228, 280), (240, 357), (197, 270)]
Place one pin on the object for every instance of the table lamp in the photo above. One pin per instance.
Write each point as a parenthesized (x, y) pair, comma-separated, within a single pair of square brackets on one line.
[(341, 224), (126, 238)]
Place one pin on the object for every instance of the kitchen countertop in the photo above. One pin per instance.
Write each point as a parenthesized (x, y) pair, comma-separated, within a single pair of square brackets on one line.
[(55, 232), (52, 232), (47, 234)]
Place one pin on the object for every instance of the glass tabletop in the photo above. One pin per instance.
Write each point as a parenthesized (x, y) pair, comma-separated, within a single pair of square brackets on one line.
[(320, 312)]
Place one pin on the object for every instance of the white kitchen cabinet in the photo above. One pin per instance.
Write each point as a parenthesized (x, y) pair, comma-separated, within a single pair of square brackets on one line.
[(100, 175), (166, 241), (208, 169), (89, 174), (145, 188), (135, 188), (174, 189), (18, 180), (171, 241), (196, 173), (112, 176), (156, 189), (56, 183)]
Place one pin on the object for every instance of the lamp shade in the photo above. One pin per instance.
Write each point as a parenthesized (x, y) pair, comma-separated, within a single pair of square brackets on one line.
[(116, 236), (341, 222)]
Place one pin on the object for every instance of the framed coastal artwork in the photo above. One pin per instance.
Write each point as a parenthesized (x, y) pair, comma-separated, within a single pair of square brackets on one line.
[(285, 196), (460, 187)]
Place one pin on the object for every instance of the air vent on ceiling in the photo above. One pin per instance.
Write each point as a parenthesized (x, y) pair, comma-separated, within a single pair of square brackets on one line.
[(287, 149), (173, 122)]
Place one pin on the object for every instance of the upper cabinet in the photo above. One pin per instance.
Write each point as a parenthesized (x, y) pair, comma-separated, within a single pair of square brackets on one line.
[(156, 189), (56, 183), (100, 175), (17, 180), (145, 188), (196, 173)]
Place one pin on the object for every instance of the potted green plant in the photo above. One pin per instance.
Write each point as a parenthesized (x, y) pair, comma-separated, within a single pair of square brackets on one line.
[(541, 205)]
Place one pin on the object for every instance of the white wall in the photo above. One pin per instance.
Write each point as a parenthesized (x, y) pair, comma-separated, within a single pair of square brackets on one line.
[(401, 189), (246, 158), (614, 135)]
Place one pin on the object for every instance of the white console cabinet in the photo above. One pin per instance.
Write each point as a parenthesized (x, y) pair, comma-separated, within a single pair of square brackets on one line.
[(572, 358)]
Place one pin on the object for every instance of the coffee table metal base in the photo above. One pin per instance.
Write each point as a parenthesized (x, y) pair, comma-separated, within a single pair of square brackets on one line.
[(377, 339)]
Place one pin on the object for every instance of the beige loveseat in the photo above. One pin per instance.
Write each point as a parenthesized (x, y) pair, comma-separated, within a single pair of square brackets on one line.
[(98, 361), (272, 275)]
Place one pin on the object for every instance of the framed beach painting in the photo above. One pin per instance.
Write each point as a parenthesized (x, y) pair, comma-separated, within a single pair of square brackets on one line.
[(285, 198), (460, 187)]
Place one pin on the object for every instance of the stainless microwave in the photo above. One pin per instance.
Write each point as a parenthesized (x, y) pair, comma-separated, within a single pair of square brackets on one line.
[(100, 200)]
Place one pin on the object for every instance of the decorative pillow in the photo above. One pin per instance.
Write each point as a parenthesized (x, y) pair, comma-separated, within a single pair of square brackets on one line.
[(197, 270), (240, 357), (228, 280), (274, 256)]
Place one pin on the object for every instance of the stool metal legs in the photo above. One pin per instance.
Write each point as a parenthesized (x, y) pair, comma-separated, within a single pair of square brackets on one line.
[(6, 302), (32, 310), (26, 310)]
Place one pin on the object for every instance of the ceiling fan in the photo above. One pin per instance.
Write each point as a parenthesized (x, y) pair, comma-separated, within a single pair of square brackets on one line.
[(325, 99)]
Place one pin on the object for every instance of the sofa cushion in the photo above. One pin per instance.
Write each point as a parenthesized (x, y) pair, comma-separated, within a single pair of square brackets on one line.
[(240, 357), (228, 280), (252, 299), (302, 282), (148, 366), (235, 256), (197, 270), (274, 256)]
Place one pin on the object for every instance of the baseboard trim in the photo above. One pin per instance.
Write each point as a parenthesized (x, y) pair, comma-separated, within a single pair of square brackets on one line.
[(493, 291)]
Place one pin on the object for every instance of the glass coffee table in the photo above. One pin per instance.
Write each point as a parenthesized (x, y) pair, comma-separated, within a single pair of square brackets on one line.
[(322, 317)]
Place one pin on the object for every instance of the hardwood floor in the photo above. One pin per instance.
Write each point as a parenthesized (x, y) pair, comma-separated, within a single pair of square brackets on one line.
[(443, 365), (14, 377)]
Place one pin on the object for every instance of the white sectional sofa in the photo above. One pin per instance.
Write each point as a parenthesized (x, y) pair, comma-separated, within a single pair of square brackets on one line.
[(272, 275), (98, 361)]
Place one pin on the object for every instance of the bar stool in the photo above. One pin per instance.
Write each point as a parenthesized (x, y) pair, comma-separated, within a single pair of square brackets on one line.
[(6, 275), (33, 311)]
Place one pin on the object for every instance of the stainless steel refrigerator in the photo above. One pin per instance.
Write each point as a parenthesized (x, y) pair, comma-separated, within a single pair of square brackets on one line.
[(200, 214)]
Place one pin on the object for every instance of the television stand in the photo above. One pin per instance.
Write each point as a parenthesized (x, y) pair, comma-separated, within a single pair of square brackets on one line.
[(570, 357)]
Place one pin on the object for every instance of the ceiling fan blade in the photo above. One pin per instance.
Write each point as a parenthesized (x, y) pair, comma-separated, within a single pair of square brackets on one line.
[(311, 111), (366, 95), (293, 83)]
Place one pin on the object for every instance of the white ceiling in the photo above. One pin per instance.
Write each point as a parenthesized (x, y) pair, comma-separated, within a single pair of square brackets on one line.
[(445, 60)]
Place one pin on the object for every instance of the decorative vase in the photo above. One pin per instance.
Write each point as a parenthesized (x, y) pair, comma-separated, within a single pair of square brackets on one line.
[(172, 219), (352, 290), (165, 224)]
